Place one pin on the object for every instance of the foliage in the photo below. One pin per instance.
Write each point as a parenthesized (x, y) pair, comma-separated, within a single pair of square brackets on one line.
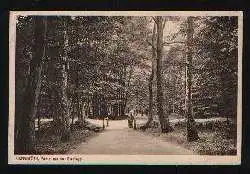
[(96, 66), (217, 45)]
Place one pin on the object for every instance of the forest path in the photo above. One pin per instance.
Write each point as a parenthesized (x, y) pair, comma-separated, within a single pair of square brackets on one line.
[(119, 139)]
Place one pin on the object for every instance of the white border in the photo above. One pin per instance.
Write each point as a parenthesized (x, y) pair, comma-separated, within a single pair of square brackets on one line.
[(130, 13), (123, 159)]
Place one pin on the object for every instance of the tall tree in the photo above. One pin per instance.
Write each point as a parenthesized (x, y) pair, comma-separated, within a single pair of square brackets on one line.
[(164, 120), (26, 136), (151, 79), (64, 85), (192, 133)]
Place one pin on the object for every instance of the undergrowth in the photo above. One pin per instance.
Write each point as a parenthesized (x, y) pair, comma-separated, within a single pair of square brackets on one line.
[(215, 138)]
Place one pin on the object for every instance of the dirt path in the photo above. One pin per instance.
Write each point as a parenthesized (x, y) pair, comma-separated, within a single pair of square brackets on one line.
[(119, 139)]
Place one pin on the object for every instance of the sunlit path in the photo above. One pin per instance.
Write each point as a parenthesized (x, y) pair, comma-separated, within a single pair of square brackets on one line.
[(118, 139)]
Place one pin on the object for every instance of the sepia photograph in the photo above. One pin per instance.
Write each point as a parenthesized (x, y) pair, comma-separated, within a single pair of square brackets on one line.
[(125, 87)]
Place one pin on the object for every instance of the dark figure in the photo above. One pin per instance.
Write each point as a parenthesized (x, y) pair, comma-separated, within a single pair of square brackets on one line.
[(107, 121), (131, 118), (103, 125), (134, 123)]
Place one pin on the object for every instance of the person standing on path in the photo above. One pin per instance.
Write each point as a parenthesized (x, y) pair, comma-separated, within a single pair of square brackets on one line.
[(131, 119)]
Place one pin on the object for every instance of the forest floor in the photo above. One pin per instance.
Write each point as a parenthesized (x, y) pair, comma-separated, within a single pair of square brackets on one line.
[(119, 139), (49, 143), (217, 141)]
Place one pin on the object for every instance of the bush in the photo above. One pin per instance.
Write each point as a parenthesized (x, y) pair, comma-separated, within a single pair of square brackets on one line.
[(228, 128), (78, 125)]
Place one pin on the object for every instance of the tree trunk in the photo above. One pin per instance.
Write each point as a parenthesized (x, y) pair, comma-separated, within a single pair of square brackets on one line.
[(84, 111), (64, 98), (72, 116), (90, 106), (164, 121), (38, 126), (150, 84), (79, 115), (94, 105), (25, 142), (150, 110), (126, 93), (192, 133), (72, 108)]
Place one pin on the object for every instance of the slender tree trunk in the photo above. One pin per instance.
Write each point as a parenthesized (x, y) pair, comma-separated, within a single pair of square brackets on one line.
[(127, 89), (81, 109), (72, 108), (151, 80), (90, 106), (84, 111), (94, 106), (164, 121), (72, 114), (150, 87), (99, 105), (26, 137), (192, 133), (79, 115), (123, 91), (64, 98), (87, 108), (38, 126)]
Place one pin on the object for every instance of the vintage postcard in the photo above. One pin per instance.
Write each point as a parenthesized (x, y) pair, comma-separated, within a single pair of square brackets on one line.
[(125, 87)]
